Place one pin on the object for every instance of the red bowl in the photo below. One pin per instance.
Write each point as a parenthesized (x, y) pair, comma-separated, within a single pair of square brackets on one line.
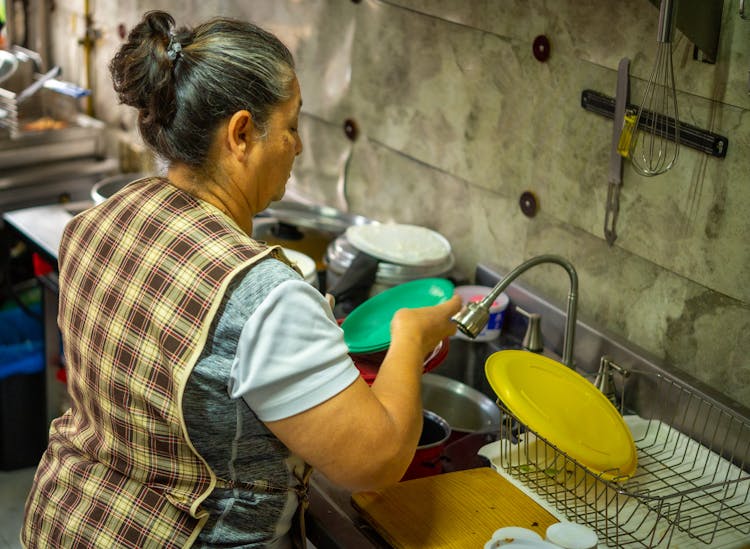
[(368, 364)]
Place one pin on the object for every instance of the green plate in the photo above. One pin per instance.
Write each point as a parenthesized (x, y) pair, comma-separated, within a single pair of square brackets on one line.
[(367, 329)]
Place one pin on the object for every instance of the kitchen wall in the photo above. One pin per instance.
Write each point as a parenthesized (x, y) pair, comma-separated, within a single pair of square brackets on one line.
[(457, 118)]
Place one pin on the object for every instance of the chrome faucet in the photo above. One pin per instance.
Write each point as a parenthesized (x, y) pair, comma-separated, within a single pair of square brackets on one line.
[(474, 316)]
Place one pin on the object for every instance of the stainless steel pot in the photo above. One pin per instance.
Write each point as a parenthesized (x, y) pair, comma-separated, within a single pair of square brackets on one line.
[(312, 216), (465, 409), (341, 253), (105, 188)]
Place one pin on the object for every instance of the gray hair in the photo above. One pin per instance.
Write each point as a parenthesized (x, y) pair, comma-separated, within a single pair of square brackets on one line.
[(185, 82)]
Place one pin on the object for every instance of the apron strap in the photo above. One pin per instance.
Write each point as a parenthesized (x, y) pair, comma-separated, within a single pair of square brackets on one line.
[(302, 489)]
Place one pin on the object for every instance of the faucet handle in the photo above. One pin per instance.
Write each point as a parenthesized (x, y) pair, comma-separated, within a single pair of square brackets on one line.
[(532, 340)]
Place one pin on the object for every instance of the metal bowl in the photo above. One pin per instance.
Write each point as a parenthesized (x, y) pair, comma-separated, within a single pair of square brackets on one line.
[(465, 409)]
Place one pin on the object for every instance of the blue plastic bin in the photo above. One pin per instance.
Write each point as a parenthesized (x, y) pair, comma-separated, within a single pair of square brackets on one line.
[(21, 342), (23, 429)]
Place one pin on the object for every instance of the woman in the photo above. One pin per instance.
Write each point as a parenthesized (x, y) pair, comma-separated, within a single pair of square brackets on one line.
[(205, 375)]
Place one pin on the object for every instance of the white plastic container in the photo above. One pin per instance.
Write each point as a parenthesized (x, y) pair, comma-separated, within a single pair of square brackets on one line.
[(570, 535), (497, 310), (305, 263)]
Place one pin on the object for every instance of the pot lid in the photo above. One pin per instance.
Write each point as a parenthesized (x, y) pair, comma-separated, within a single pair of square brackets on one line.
[(403, 244), (322, 218)]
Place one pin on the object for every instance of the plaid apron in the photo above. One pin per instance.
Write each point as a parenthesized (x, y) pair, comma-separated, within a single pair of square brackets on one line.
[(141, 279)]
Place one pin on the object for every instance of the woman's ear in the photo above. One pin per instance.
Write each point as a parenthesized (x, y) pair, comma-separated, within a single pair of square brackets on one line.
[(240, 134)]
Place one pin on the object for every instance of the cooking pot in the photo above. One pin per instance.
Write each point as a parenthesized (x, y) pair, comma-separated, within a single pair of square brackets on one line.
[(105, 188), (309, 241), (427, 459), (465, 409), (321, 218), (341, 253), (305, 264), (307, 228)]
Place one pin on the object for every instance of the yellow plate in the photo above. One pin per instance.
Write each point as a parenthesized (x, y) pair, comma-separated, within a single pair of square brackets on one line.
[(566, 409)]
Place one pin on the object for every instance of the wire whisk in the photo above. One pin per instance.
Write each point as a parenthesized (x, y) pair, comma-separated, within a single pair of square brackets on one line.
[(654, 147)]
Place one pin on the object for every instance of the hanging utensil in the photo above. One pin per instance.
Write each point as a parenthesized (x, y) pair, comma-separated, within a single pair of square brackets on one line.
[(655, 151), (54, 72), (622, 96)]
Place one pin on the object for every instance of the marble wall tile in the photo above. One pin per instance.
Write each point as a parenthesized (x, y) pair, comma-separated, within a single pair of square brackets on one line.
[(695, 206), (457, 118), (694, 329), (603, 32), (319, 34), (441, 93), (321, 174), (550, 145)]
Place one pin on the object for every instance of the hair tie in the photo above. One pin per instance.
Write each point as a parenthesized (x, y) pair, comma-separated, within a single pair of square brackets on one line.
[(174, 48)]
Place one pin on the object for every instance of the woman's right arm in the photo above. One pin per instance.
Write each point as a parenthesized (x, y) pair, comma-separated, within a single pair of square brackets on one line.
[(365, 437)]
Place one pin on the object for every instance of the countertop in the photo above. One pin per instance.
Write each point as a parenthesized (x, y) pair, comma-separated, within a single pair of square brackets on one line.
[(43, 226)]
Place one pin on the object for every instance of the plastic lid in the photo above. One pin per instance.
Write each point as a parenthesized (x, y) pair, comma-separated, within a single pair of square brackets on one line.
[(566, 409), (403, 244), (368, 327)]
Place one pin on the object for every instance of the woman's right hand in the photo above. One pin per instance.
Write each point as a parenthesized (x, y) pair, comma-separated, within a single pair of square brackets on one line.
[(425, 327)]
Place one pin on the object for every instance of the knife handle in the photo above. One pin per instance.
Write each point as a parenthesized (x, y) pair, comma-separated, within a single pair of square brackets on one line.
[(626, 136)]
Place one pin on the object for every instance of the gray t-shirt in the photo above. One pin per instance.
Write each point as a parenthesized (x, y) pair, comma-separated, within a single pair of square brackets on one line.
[(274, 350)]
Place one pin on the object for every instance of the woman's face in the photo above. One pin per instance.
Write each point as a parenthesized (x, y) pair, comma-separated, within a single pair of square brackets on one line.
[(274, 154)]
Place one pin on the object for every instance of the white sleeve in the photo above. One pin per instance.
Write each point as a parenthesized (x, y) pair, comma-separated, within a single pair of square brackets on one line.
[(291, 354)]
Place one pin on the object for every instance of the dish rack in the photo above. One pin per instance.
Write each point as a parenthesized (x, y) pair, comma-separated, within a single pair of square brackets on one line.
[(685, 489)]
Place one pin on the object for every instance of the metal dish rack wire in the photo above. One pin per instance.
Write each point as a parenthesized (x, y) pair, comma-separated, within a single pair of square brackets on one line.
[(692, 486)]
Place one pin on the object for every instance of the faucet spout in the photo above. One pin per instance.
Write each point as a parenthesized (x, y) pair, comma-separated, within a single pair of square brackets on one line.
[(474, 316)]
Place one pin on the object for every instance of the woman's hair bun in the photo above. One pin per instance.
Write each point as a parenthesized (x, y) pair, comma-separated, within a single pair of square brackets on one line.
[(142, 72)]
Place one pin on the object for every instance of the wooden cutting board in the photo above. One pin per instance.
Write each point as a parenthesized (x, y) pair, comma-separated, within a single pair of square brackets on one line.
[(454, 510)]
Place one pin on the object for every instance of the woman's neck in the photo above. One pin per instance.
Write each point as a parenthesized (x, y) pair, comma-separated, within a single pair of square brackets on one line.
[(210, 189)]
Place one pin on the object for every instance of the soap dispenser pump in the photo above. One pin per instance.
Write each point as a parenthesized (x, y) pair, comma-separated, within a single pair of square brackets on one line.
[(532, 340)]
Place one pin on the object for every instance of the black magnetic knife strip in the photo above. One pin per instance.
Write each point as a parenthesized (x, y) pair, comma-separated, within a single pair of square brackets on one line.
[(691, 136)]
